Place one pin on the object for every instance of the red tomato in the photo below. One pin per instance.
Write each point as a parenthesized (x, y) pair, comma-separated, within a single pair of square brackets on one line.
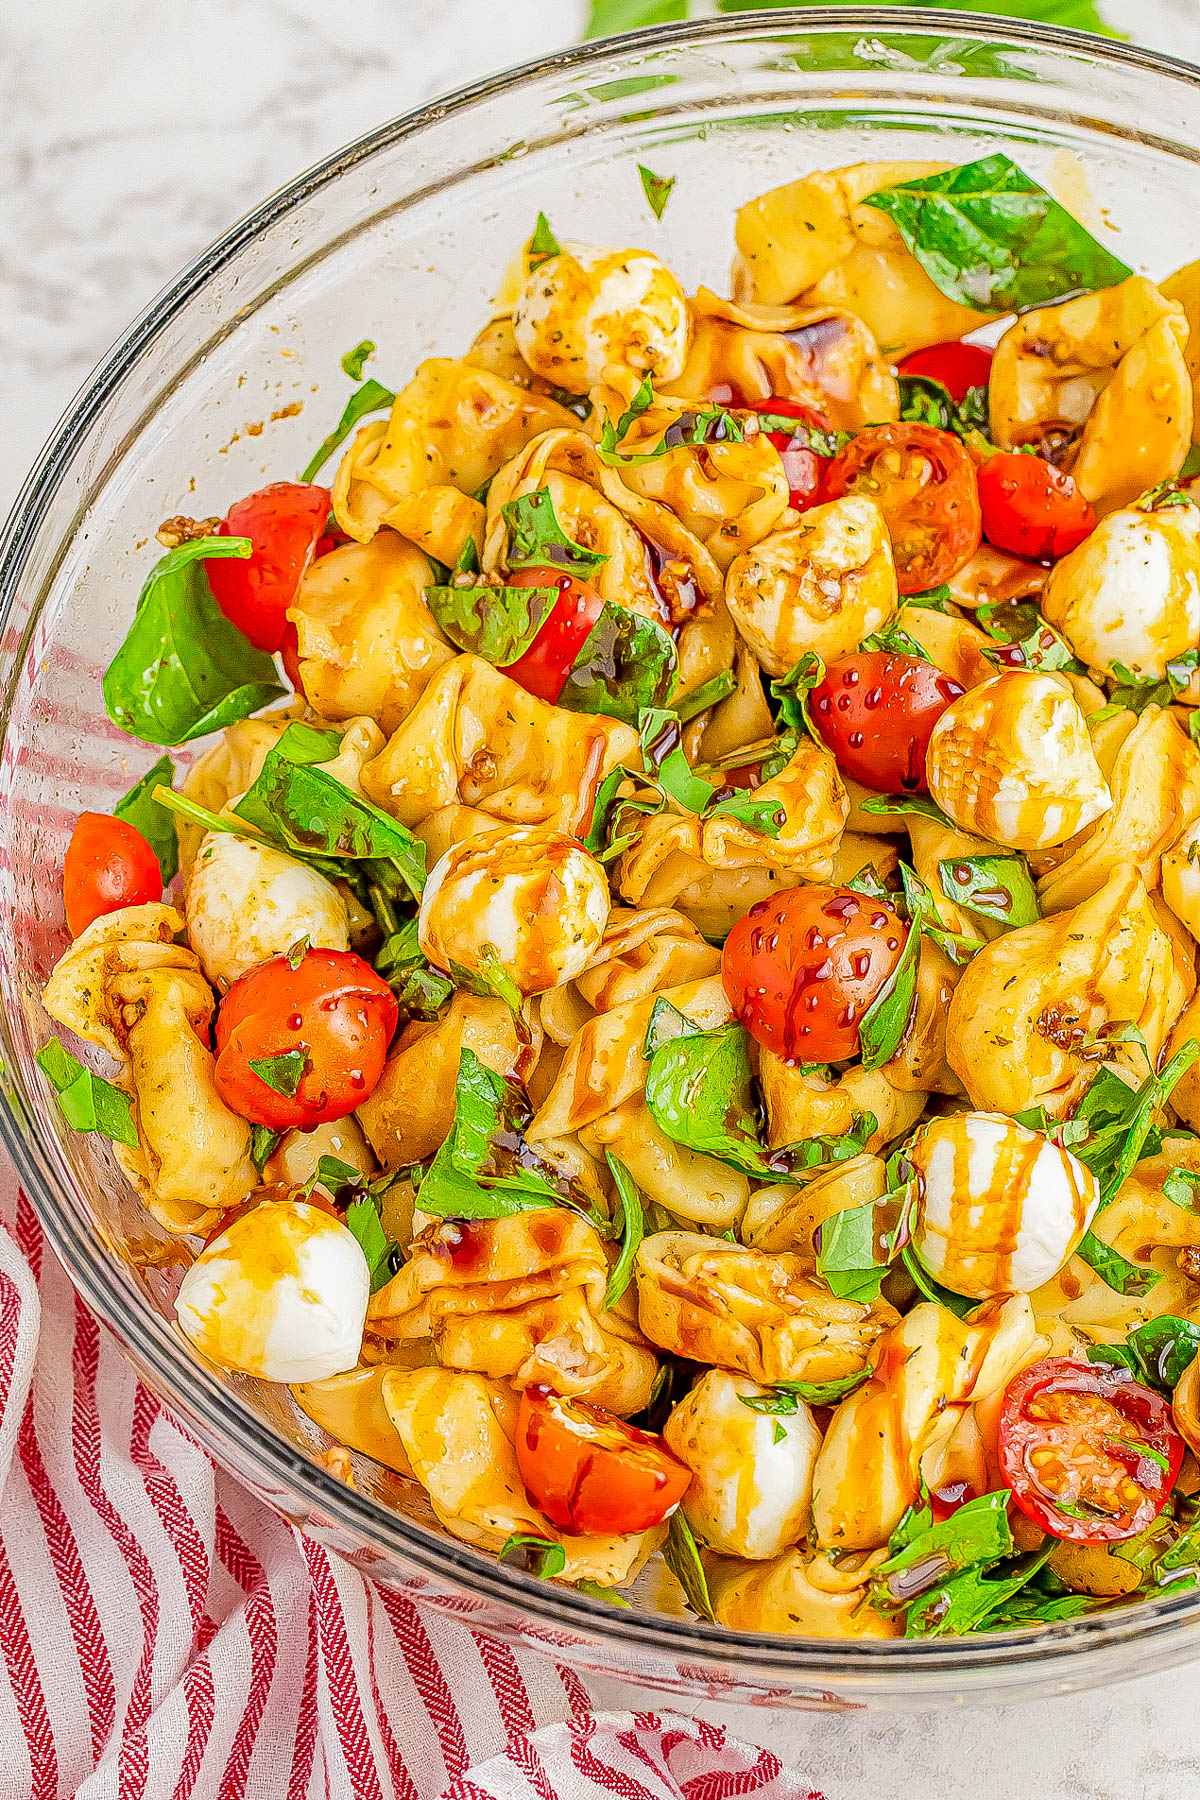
[(589, 1471), (945, 1501), (289, 656), (876, 710), (333, 1009), (957, 366), (804, 469), (802, 968), (544, 667), (924, 480), (1032, 508), (1089, 1453), (108, 865), (285, 522)]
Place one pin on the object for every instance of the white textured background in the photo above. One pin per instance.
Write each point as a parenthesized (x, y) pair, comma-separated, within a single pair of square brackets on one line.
[(132, 132)]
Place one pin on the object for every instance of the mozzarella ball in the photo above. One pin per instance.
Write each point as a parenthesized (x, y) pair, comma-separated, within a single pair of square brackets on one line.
[(752, 1472), (281, 1293), (246, 902), (587, 307), (822, 585), (527, 897), (1000, 1209), (1130, 593), (1011, 760)]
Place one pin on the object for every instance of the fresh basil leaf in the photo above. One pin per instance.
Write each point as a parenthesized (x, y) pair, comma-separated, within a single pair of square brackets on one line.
[(710, 694), (421, 989), (1157, 1352), (1182, 1189), (700, 1091), (1121, 1275), (899, 805), (312, 814), (1029, 642), (683, 1559), (537, 540), (662, 752), (627, 663), (657, 189), (1136, 1125), (263, 1144), (334, 1174), (757, 814), (496, 623), (633, 1226), (897, 641), (595, 1591), (825, 1393), (140, 809), (283, 1073), (994, 887), (608, 17), (922, 909), (965, 1602), (183, 670), (883, 1025), (990, 237), (927, 401), (867, 882), (371, 397), (611, 435), (1030, 1606), (666, 1024), (467, 560), (483, 1170), (543, 244), (925, 1554), (933, 1290), (849, 1259), (792, 691), (615, 817), (352, 362), (362, 1221), (537, 1556), (775, 1402), (87, 1101), (492, 978), (936, 599)]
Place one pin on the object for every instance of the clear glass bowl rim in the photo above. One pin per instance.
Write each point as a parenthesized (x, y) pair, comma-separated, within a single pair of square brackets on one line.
[(562, 1615)]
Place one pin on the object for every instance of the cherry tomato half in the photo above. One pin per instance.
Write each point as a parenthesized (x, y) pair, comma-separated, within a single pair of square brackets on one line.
[(285, 523), (544, 667), (957, 366), (802, 968), (108, 865), (1089, 1453), (805, 470), (924, 481), (876, 711), (1032, 508), (323, 1027), (589, 1471)]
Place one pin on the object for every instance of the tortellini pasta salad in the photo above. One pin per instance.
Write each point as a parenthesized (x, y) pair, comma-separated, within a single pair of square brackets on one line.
[(658, 992)]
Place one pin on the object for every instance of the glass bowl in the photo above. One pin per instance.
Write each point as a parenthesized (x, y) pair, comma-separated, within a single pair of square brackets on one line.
[(401, 238)]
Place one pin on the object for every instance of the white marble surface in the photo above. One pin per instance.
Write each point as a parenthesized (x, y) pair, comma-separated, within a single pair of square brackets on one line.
[(131, 133)]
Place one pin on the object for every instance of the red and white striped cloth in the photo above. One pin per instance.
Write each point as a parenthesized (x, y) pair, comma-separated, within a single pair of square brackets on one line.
[(165, 1635)]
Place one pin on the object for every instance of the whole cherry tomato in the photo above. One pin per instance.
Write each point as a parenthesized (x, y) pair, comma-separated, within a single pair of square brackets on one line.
[(1032, 508), (543, 668), (318, 1034), (924, 481), (958, 367), (1089, 1453), (285, 523), (803, 467), (589, 1471), (108, 865), (876, 710), (802, 968)]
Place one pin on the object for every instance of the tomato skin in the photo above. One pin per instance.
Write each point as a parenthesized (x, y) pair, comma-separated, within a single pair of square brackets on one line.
[(876, 711), (333, 1006), (1082, 1411), (924, 481), (542, 670), (805, 470), (958, 367), (289, 656), (801, 969), (285, 522), (1032, 508), (589, 1471), (108, 865)]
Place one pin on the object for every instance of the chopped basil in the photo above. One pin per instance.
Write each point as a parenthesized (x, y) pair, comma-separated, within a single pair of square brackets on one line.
[(683, 1559), (883, 1025), (775, 1402), (994, 887), (283, 1073), (537, 540), (666, 1023), (421, 989), (1029, 642), (662, 752), (900, 805), (710, 694), (614, 824), (1182, 1189), (536, 1555), (633, 1225), (371, 397), (853, 1256), (612, 434), (362, 1221), (990, 237), (140, 809), (183, 670), (936, 599), (924, 1551), (496, 623), (1116, 1270), (1157, 1352), (964, 1602), (792, 691), (595, 1591), (467, 560), (87, 1101), (933, 1290), (263, 1144), (926, 401), (787, 1396), (1135, 692), (657, 189), (627, 662), (892, 638), (543, 244), (483, 1169), (352, 362)]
